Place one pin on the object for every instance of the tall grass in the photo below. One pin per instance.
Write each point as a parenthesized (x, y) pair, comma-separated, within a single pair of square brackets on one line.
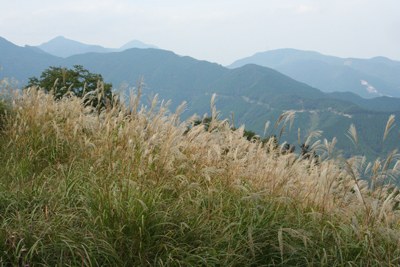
[(130, 186)]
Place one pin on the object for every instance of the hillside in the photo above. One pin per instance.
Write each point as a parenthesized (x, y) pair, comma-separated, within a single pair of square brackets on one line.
[(383, 103), (366, 77), (253, 93), (120, 188)]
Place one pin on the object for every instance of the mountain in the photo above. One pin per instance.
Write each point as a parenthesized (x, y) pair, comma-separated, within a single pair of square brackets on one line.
[(136, 44), (23, 62), (383, 103), (36, 49), (63, 47), (255, 94), (366, 77), (165, 73)]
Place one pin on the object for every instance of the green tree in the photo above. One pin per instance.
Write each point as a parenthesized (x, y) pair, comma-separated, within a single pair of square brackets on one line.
[(78, 80)]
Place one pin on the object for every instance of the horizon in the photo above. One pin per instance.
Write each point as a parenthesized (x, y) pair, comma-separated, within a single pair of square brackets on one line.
[(289, 48), (217, 31)]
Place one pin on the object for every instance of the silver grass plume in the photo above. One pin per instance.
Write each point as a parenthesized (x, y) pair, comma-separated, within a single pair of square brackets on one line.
[(388, 126), (266, 127), (353, 134)]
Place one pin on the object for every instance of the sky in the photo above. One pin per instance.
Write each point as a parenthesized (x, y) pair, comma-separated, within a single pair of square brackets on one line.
[(213, 30)]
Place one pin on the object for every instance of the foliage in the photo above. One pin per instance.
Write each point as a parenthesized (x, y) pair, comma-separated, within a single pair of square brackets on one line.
[(78, 80)]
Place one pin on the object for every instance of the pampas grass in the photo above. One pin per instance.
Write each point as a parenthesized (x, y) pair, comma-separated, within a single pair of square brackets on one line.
[(130, 186)]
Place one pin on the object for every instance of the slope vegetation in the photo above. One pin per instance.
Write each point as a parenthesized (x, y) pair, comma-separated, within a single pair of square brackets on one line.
[(134, 187)]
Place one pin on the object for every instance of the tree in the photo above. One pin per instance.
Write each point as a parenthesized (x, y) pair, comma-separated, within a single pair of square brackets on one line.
[(78, 80)]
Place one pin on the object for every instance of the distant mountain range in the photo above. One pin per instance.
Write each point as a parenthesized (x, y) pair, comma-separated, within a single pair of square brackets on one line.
[(63, 47), (254, 93), (369, 78)]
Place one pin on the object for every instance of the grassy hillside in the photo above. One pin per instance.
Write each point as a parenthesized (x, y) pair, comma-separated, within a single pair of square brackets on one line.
[(121, 188)]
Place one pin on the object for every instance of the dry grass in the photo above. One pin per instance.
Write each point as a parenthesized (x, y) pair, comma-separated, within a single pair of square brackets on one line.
[(127, 186)]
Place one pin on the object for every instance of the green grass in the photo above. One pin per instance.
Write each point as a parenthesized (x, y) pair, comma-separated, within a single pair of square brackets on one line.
[(119, 188)]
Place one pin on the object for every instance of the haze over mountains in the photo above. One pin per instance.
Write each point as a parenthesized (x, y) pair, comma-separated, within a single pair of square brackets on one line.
[(369, 78), (254, 93), (63, 47)]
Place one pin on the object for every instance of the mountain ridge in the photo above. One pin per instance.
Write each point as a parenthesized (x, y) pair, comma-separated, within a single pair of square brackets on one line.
[(333, 73), (63, 47)]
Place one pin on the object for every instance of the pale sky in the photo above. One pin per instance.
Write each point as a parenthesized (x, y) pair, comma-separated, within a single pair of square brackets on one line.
[(214, 30)]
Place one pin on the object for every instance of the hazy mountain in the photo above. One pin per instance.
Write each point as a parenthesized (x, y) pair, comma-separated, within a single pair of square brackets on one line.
[(254, 93), (63, 47), (382, 103), (36, 49), (275, 58), (366, 77), (136, 44), (22, 63)]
